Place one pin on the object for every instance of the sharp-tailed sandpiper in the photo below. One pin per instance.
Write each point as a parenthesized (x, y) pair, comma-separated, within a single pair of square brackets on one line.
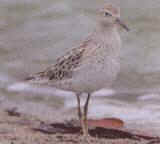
[(91, 66)]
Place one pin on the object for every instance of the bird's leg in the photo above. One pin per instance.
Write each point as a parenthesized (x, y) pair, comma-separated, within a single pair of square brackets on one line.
[(85, 120), (80, 115), (83, 116), (79, 107)]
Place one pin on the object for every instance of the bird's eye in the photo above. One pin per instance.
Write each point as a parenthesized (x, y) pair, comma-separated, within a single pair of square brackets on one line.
[(107, 14)]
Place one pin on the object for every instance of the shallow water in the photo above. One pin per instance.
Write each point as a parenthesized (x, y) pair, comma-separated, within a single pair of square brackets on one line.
[(34, 33)]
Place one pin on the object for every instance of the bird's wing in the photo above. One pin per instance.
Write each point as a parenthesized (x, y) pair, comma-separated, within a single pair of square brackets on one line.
[(64, 66)]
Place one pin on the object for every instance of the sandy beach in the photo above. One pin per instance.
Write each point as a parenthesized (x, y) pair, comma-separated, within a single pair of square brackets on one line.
[(18, 128)]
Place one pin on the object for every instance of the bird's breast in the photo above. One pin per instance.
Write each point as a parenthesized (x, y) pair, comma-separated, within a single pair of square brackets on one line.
[(99, 72)]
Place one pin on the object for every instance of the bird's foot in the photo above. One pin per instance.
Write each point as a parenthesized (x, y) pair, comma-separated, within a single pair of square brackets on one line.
[(86, 139)]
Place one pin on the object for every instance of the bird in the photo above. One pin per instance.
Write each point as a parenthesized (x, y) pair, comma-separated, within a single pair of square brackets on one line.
[(89, 67)]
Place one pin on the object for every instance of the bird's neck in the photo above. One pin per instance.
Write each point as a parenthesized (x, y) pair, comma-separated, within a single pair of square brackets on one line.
[(108, 40), (105, 33), (106, 28)]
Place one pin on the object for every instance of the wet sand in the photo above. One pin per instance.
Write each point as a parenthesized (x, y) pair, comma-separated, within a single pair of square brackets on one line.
[(18, 128)]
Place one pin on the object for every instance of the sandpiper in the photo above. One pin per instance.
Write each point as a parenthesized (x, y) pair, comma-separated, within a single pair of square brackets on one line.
[(89, 67)]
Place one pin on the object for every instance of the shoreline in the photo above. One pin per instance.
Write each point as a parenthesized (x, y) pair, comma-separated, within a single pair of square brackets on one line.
[(17, 128)]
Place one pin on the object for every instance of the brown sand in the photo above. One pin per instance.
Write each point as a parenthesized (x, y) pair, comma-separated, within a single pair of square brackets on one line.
[(18, 128)]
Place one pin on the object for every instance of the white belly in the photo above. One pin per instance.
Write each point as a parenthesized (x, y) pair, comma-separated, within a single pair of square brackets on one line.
[(96, 76), (91, 77)]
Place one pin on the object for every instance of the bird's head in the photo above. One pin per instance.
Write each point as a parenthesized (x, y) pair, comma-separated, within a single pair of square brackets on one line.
[(110, 15)]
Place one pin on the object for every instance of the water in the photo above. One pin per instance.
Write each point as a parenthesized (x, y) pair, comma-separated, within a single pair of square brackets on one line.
[(34, 33)]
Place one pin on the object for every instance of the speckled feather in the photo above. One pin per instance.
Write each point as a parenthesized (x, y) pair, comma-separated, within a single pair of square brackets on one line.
[(63, 67)]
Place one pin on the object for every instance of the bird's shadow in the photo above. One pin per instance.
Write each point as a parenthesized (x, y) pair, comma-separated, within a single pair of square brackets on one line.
[(99, 132)]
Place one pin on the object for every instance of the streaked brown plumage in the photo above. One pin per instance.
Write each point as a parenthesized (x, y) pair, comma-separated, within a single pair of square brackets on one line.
[(63, 68)]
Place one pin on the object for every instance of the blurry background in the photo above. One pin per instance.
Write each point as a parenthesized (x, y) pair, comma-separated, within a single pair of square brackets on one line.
[(34, 33)]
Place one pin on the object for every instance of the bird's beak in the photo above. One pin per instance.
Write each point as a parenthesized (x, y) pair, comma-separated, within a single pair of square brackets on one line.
[(123, 25)]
